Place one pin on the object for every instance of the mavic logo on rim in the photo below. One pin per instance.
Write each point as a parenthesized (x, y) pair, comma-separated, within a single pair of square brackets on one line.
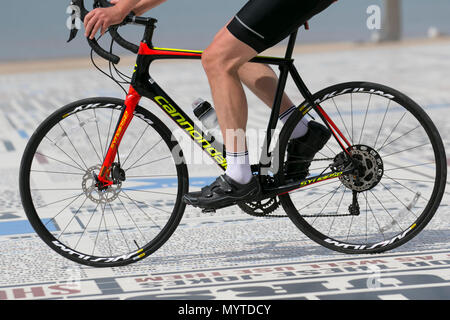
[(354, 90), (373, 246), (135, 255), (91, 106)]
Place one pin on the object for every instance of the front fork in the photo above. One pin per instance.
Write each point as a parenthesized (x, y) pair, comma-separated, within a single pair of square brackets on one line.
[(131, 101)]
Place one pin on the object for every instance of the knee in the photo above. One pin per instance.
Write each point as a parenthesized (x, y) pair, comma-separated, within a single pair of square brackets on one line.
[(215, 61)]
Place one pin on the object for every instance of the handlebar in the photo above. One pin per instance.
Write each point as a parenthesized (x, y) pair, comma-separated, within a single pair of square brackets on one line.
[(79, 10)]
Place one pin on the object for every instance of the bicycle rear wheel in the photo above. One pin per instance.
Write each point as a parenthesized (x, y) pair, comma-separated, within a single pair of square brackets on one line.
[(122, 224), (402, 167)]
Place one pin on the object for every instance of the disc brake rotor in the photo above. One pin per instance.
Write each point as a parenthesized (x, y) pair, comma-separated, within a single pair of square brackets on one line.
[(369, 169), (91, 191)]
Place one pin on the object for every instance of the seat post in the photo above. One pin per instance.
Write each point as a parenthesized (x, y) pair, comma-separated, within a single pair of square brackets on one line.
[(291, 45)]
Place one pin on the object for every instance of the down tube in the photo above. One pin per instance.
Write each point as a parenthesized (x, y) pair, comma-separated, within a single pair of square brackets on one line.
[(214, 149)]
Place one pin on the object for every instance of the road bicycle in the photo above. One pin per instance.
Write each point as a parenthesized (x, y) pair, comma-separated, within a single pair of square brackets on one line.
[(102, 179)]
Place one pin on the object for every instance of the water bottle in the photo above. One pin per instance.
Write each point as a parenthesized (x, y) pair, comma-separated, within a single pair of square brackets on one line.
[(207, 116)]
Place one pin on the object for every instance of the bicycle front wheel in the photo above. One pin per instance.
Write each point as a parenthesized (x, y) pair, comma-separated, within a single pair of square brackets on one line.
[(117, 226), (401, 177)]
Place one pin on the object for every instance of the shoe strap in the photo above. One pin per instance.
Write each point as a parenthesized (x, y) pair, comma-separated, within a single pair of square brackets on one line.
[(217, 186)]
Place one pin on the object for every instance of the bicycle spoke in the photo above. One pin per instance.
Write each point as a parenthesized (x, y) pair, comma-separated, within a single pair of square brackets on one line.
[(405, 187), (68, 138), (382, 122), (386, 210), (410, 166), (425, 181), (144, 154), (134, 222), (86, 227), (407, 207), (365, 118), (147, 163), (98, 230), (157, 192), (57, 172), (55, 189), (129, 198), (78, 168), (376, 221), (58, 201), (72, 218), (54, 218), (109, 131), (365, 196), (332, 222), (153, 176), (326, 204), (318, 199), (132, 149), (88, 138), (419, 126), (340, 115), (155, 207), (393, 130), (98, 132), (406, 150), (121, 231), (107, 234), (73, 160)]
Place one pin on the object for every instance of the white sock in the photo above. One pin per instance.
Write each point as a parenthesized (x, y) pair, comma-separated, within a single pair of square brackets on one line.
[(302, 127), (238, 167)]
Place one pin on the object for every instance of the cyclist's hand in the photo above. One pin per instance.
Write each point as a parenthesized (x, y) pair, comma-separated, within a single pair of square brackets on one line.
[(101, 19)]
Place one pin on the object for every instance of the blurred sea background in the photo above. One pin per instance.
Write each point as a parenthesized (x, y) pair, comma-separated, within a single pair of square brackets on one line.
[(35, 30)]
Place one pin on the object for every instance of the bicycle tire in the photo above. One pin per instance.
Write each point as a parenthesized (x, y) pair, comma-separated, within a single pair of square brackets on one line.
[(95, 106), (412, 110)]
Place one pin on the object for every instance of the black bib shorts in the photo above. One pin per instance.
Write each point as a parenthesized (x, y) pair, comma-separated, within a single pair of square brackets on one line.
[(263, 23)]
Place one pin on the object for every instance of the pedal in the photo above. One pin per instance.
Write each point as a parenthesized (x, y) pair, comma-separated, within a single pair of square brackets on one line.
[(210, 210)]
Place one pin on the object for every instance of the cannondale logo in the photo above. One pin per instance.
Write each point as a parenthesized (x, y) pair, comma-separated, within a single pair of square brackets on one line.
[(74, 21)]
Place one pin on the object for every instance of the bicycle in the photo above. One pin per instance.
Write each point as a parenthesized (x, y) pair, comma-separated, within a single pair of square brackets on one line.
[(102, 216)]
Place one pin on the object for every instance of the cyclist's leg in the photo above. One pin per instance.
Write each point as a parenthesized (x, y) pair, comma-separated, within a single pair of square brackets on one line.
[(221, 61), (263, 82), (233, 46)]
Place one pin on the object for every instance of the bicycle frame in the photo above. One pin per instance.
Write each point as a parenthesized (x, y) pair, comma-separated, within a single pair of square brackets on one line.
[(142, 85)]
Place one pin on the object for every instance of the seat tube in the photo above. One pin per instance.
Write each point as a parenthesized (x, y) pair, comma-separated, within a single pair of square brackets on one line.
[(131, 101)]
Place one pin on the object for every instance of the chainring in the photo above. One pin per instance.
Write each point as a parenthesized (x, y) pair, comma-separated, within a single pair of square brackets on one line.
[(262, 208)]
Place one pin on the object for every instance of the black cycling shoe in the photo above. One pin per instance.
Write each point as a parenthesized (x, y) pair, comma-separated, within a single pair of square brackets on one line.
[(222, 193), (302, 150)]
